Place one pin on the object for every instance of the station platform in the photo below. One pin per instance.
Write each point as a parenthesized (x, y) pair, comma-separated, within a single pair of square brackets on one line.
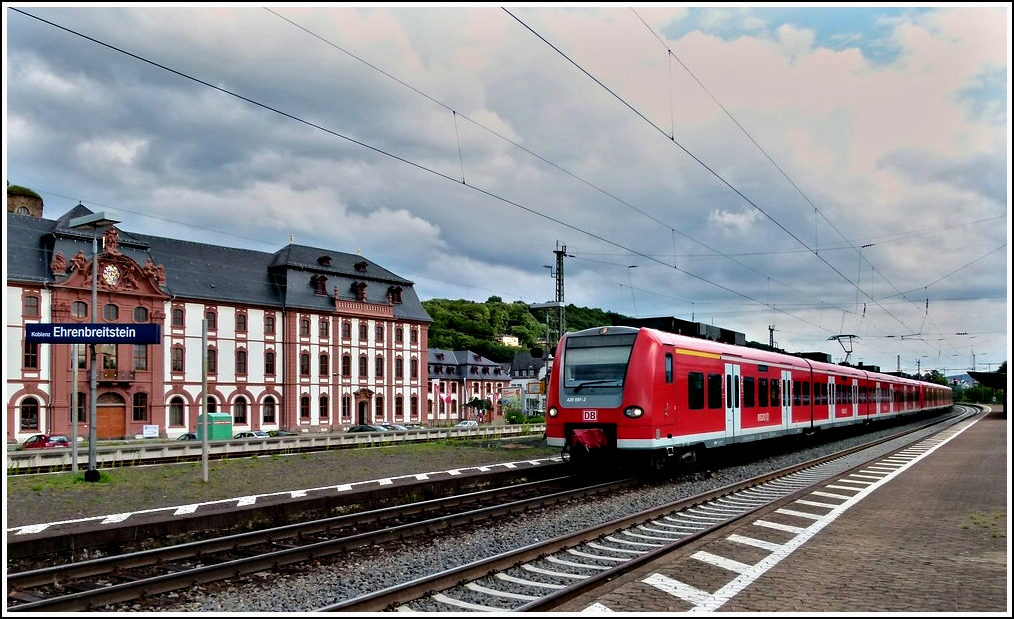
[(934, 538)]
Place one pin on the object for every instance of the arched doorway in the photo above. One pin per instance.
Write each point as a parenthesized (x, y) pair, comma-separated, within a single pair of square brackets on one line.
[(363, 398), (111, 410)]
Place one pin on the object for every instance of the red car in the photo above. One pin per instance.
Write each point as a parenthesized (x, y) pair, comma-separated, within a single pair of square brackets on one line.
[(45, 441)]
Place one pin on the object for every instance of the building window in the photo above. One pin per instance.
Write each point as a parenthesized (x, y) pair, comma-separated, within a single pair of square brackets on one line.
[(399, 368), (346, 366), (346, 330), (212, 319), (414, 336), (399, 407), (239, 411), (304, 364), (324, 328), (304, 407), (212, 404), (414, 368), (140, 357), (399, 335), (269, 363), (177, 319), (241, 362), (346, 407), (241, 323), (324, 414), (29, 414), (108, 354), (362, 332), (111, 312), (176, 361), (269, 410), (140, 314), (379, 367), (379, 410), (324, 366), (31, 357), (363, 370), (140, 407), (212, 361), (304, 327), (30, 307), (379, 333), (269, 325), (176, 412), (81, 399), (79, 309)]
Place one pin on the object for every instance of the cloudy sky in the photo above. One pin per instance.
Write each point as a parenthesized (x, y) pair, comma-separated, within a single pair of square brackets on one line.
[(825, 171)]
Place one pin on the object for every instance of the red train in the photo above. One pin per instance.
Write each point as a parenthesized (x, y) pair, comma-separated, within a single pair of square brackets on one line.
[(661, 398)]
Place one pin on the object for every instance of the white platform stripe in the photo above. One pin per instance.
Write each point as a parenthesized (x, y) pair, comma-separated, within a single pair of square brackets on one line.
[(788, 528), (752, 541), (792, 512), (678, 589), (597, 608), (817, 503), (830, 495), (723, 562)]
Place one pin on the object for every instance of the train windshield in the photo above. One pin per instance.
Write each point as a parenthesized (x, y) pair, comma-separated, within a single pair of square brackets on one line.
[(596, 361)]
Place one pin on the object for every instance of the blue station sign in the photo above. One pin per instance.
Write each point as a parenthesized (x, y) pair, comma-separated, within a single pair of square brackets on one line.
[(88, 333)]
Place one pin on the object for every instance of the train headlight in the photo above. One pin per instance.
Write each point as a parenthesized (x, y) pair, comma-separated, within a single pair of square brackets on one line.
[(553, 412), (633, 412)]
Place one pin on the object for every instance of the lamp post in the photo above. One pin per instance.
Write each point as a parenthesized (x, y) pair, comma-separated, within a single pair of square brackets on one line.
[(93, 221), (630, 283)]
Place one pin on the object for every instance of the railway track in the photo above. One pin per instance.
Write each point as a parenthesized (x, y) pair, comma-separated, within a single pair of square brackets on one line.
[(543, 576), (526, 579), (88, 585)]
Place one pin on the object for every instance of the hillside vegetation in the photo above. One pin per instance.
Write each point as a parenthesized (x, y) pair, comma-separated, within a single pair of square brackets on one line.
[(469, 325)]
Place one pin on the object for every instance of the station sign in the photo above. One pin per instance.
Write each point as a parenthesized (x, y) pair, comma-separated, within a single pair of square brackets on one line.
[(90, 333)]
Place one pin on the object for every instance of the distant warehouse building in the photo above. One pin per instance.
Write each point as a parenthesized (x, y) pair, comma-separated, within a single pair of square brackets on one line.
[(302, 339)]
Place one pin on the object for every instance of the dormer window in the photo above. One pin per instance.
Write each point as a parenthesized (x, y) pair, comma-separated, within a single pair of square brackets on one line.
[(319, 284), (361, 266), (324, 261), (394, 294), (359, 289)]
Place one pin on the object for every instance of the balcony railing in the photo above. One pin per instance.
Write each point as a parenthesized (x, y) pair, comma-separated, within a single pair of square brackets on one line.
[(115, 376)]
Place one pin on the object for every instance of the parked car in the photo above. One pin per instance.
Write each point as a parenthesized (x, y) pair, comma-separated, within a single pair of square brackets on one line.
[(45, 441), (394, 426), (466, 423), (414, 426), (281, 433), (189, 436), (366, 428), (252, 434)]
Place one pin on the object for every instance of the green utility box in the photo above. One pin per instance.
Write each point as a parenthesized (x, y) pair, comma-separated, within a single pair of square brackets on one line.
[(219, 427)]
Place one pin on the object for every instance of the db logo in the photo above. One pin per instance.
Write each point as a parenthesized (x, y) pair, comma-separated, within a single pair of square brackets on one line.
[(589, 415)]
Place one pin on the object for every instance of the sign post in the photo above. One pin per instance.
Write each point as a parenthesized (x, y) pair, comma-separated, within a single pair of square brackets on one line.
[(91, 334)]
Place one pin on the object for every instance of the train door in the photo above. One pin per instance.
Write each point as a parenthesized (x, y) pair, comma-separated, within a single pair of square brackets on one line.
[(855, 398), (733, 423), (787, 397), (832, 388)]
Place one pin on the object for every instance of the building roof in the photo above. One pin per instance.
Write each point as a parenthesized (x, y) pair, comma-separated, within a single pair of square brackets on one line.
[(285, 279)]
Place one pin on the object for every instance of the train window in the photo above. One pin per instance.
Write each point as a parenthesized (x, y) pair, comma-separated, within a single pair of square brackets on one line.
[(714, 391), (823, 393), (668, 367), (601, 360), (695, 390), (748, 391), (796, 393), (762, 392), (774, 393), (806, 393)]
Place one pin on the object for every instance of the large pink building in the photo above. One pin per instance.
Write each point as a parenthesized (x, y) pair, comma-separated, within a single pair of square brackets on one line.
[(303, 339)]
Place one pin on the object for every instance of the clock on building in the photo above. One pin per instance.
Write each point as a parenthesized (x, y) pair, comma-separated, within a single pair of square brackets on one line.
[(110, 275)]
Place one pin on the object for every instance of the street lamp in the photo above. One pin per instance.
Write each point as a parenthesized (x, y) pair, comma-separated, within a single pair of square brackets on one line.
[(632, 266), (93, 221)]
